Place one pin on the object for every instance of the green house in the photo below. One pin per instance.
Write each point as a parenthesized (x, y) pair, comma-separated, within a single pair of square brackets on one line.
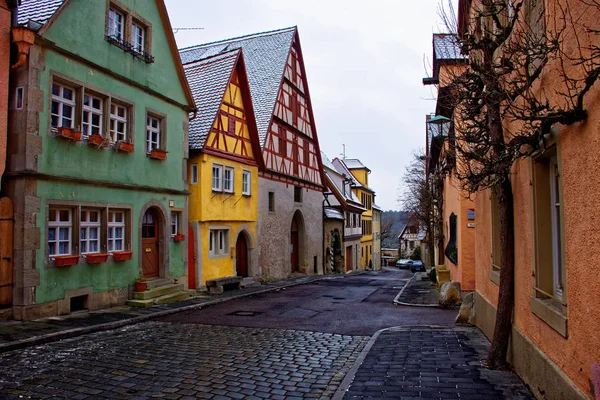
[(97, 148)]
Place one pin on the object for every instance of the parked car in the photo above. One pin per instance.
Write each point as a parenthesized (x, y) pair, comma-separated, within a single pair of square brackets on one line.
[(417, 266), (404, 263)]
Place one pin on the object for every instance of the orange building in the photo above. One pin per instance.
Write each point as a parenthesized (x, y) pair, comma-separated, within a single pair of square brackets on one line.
[(457, 214), (556, 318), (5, 40)]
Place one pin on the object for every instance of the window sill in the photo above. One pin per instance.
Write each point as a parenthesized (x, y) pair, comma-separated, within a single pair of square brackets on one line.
[(214, 256), (495, 277), (551, 312)]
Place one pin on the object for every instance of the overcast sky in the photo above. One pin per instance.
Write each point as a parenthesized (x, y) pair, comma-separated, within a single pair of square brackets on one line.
[(364, 63)]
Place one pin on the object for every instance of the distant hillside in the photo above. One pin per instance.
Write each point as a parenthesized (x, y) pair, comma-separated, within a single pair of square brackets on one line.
[(397, 220)]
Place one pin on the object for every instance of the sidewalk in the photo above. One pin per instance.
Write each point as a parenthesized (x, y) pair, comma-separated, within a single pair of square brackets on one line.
[(428, 362), (419, 293), (15, 334)]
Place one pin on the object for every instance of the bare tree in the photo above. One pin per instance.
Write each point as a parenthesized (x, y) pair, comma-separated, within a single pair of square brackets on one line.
[(387, 225), (503, 113)]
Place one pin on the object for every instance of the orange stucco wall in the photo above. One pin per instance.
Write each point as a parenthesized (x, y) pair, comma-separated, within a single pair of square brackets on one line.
[(456, 202), (4, 72), (577, 355)]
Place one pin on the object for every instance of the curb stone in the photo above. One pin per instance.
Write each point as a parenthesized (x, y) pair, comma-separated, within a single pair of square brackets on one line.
[(401, 303)]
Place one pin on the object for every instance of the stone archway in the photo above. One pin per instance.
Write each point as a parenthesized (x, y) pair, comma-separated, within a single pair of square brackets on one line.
[(297, 240), (244, 233)]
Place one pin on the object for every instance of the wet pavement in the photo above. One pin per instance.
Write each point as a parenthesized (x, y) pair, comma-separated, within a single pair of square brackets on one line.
[(419, 292), (311, 337)]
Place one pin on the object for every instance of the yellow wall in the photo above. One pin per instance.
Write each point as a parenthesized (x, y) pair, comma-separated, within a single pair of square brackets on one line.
[(366, 241), (362, 175)]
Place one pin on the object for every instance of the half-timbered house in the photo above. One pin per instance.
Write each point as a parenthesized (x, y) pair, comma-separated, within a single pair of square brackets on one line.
[(223, 170), (290, 223)]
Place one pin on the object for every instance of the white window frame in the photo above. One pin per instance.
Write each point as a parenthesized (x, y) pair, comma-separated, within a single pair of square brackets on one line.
[(194, 177), (63, 102), (218, 241), (138, 37), (174, 223), (217, 180), (115, 119), (228, 179), (113, 225), (58, 225), (116, 25), (88, 112), (153, 133), (246, 182), (87, 226)]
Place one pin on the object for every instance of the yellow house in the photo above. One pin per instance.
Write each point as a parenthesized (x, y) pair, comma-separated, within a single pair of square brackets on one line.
[(223, 170), (359, 174)]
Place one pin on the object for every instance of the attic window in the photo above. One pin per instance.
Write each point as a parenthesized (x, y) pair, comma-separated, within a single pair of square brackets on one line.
[(135, 40)]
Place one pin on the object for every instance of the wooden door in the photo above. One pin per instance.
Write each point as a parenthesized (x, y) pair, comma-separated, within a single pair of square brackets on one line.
[(150, 237), (241, 256), (294, 244), (6, 246), (349, 258), (191, 260)]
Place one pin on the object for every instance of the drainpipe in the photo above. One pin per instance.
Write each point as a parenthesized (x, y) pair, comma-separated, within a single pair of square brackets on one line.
[(24, 38)]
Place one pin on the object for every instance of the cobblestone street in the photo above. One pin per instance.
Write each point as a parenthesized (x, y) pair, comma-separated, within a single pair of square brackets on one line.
[(176, 361)]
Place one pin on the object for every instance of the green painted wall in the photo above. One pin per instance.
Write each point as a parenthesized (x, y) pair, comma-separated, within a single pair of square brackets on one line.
[(80, 29)]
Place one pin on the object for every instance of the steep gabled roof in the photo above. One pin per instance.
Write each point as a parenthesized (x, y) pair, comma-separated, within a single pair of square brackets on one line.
[(355, 163), (341, 167), (208, 80), (266, 56), (38, 11)]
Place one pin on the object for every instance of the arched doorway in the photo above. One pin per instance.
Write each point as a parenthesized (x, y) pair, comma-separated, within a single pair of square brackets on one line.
[(295, 244), (150, 244), (241, 256)]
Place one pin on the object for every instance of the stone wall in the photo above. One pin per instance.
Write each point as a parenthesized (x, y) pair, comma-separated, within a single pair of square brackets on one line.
[(274, 229), (335, 259)]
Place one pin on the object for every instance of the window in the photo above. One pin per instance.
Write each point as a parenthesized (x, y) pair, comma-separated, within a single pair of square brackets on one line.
[(92, 115), (153, 131), (218, 241), (63, 106), (271, 201), (228, 176), (550, 273), (347, 220), (174, 223), (118, 122), (116, 230), (60, 226), (282, 147), (246, 181), (297, 194), (89, 231), (116, 23), (194, 173), (20, 95), (495, 233), (411, 244), (217, 179), (231, 125), (138, 37), (451, 250)]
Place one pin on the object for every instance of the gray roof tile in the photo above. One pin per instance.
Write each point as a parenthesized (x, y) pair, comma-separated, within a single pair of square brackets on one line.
[(354, 163), (332, 213), (208, 80), (265, 56), (38, 10)]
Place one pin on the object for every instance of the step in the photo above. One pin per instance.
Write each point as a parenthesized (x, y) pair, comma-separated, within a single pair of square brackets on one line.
[(249, 282), (166, 299), (153, 283), (158, 291)]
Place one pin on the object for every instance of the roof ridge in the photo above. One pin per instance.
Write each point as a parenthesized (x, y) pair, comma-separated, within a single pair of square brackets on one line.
[(238, 38), (213, 59)]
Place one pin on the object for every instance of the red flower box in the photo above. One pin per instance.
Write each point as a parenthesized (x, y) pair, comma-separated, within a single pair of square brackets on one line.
[(158, 154), (68, 133), (122, 255), (97, 140), (124, 146), (66, 261), (96, 258), (179, 237)]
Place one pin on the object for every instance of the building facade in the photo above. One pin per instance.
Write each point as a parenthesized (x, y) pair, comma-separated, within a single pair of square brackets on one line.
[(290, 189), (223, 170), (97, 200), (340, 200), (376, 237)]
